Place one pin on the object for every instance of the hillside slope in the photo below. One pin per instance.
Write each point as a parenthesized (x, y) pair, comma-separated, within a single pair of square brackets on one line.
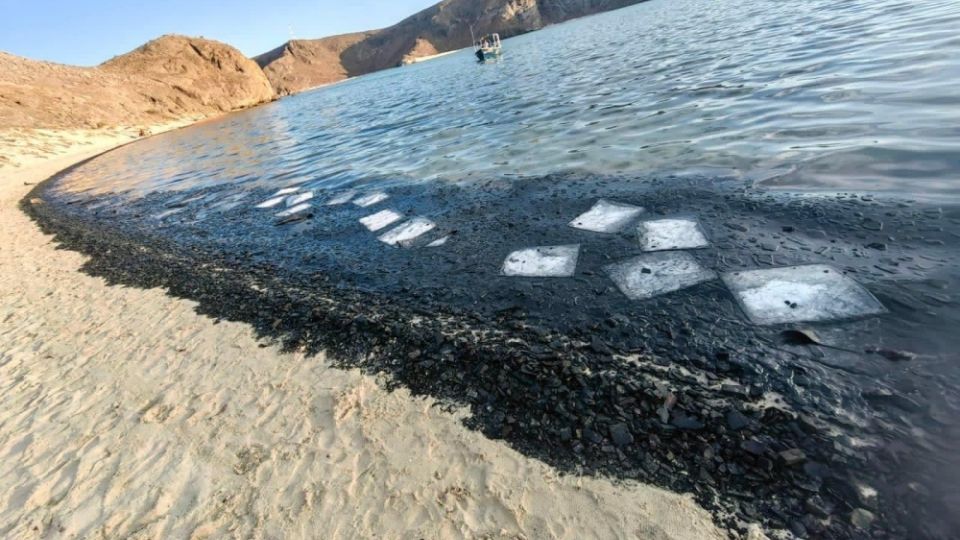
[(169, 78), (306, 63), (446, 26)]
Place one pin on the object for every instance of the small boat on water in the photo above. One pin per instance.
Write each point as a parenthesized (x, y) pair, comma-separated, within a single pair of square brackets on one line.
[(488, 48)]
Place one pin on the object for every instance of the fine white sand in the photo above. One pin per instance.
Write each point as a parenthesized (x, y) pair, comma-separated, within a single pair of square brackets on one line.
[(124, 414)]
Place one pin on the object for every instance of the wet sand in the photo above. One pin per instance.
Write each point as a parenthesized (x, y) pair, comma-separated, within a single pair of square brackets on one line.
[(125, 413)]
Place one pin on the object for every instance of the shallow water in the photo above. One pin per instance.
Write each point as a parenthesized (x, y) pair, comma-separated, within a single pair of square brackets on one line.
[(822, 95)]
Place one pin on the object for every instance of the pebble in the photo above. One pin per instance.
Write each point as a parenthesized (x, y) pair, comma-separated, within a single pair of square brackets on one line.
[(620, 434), (736, 420), (862, 519), (792, 456)]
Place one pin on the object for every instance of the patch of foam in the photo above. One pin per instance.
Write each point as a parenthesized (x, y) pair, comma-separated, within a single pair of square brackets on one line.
[(406, 233), (293, 210), (342, 198), (543, 261), (815, 292), (667, 234), (653, 274), (371, 199), (381, 219), (606, 217), (294, 200), (286, 191), (438, 242)]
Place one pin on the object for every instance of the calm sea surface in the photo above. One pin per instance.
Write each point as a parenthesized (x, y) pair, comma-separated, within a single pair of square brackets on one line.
[(813, 95)]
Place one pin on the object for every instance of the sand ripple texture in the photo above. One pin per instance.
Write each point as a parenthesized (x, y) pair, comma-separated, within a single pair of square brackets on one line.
[(124, 414)]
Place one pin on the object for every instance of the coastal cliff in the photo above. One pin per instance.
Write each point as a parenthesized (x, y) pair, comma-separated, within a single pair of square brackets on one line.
[(169, 78)]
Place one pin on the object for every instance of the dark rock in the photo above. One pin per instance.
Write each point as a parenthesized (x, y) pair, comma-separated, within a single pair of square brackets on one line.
[(816, 506), (598, 346), (754, 447), (736, 420), (620, 434), (879, 246), (681, 420), (792, 456)]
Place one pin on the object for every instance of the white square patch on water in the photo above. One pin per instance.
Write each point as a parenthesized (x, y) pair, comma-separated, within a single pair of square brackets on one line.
[(816, 292), (653, 274), (607, 217), (342, 198), (286, 191), (294, 200), (270, 203), (668, 234), (407, 232), (381, 219), (371, 199), (543, 261), (294, 210)]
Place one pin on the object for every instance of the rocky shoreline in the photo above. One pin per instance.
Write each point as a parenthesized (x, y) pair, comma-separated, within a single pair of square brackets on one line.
[(679, 391)]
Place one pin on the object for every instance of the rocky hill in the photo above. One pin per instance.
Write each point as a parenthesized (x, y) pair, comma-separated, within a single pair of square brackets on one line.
[(302, 64), (169, 78)]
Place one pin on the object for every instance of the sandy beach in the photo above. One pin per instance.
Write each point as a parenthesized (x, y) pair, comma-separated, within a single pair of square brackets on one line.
[(124, 414)]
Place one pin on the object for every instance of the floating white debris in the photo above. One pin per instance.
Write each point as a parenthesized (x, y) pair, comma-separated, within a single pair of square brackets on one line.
[(371, 199), (293, 210), (294, 200), (607, 217), (543, 261), (667, 234), (438, 242), (815, 292), (286, 191), (406, 233), (381, 219), (653, 274), (270, 203), (342, 198)]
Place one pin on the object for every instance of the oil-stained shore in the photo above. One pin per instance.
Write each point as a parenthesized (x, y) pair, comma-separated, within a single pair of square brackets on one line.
[(854, 439)]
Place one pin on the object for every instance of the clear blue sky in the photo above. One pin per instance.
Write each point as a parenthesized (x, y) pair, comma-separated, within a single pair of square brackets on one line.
[(87, 32)]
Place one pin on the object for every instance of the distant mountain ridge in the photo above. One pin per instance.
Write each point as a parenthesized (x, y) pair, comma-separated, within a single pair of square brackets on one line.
[(302, 64), (169, 78)]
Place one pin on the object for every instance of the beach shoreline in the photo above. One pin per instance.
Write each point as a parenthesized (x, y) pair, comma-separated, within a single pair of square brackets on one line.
[(124, 412)]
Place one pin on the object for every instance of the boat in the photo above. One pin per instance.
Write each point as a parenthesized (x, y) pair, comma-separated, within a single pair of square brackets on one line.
[(488, 48)]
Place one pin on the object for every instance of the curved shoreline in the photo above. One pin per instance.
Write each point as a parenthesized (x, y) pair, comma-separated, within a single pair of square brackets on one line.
[(125, 410)]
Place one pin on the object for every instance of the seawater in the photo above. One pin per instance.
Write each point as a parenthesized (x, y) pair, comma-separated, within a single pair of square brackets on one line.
[(816, 95)]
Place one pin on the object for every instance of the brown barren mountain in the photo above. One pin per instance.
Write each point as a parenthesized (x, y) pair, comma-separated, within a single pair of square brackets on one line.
[(303, 64), (169, 78), (300, 64)]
